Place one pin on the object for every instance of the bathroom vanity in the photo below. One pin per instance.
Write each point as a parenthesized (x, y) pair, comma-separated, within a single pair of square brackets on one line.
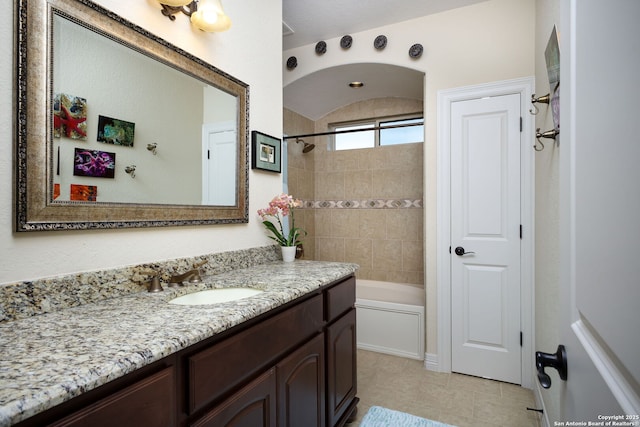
[(284, 357)]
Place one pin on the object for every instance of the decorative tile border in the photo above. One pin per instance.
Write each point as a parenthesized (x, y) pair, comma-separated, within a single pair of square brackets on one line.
[(364, 204)]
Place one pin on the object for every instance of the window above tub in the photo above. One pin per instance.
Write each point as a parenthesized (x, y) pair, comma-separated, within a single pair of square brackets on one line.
[(377, 132)]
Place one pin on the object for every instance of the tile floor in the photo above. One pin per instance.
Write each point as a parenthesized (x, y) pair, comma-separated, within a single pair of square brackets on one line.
[(460, 400)]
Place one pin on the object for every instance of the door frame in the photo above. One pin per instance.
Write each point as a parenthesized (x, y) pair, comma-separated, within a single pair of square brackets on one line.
[(525, 87)]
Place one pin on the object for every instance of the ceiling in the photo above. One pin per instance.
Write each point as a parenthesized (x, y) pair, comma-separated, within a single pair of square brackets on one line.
[(316, 95), (310, 21)]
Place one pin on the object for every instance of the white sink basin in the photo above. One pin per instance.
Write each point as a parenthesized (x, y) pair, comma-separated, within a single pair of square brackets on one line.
[(215, 296)]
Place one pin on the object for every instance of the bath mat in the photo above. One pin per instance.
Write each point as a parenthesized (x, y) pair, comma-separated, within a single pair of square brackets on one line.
[(377, 416)]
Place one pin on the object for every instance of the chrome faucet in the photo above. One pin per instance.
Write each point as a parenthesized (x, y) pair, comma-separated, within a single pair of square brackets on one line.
[(191, 276)]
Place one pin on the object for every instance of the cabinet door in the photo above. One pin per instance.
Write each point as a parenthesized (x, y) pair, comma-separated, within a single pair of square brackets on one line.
[(148, 403), (341, 368), (216, 371), (253, 406), (301, 392)]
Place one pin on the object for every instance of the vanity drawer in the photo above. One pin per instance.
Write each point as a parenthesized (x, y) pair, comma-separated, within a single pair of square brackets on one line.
[(149, 402), (216, 371), (340, 299)]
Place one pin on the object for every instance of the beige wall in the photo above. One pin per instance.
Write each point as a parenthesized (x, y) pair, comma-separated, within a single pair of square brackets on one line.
[(486, 42), (547, 268), (257, 33)]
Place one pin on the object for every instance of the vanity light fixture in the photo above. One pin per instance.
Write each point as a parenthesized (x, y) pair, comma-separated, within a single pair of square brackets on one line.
[(153, 148), (131, 170), (206, 15)]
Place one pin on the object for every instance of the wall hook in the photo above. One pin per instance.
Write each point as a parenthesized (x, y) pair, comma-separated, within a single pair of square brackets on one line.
[(543, 99), (131, 170), (153, 147), (550, 134)]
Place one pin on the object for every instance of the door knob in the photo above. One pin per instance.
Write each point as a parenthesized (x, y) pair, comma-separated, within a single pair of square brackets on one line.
[(460, 251), (557, 360)]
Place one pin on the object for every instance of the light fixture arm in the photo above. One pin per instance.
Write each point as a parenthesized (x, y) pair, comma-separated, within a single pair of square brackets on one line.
[(170, 11), (205, 15)]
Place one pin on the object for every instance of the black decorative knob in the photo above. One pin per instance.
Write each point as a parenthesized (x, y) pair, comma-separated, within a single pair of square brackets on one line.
[(292, 62), (380, 42), (346, 41), (415, 51), (321, 47)]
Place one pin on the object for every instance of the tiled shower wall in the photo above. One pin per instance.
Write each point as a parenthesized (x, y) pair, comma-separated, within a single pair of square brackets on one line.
[(301, 177), (365, 206)]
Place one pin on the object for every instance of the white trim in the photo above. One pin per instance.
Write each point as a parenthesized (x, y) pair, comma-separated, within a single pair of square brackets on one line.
[(403, 324), (524, 87), (537, 395), (620, 387), (431, 362)]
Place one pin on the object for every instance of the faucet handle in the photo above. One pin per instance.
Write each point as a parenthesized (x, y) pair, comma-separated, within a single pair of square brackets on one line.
[(195, 277), (199, 264), (154, 284)]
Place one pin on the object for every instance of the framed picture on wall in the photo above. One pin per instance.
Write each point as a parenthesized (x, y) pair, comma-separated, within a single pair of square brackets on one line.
[(266, 152), (94, 163), (69, 116), (115, 131)]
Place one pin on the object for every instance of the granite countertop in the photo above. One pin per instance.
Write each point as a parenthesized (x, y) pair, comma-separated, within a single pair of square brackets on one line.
[(51, 358)]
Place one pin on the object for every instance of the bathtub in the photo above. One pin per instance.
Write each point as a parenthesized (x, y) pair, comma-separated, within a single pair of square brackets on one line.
[(390, 318)]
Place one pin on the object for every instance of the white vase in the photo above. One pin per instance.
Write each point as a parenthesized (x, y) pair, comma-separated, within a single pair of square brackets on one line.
[(288, 253)]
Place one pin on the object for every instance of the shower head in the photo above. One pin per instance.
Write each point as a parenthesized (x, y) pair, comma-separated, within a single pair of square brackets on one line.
[(306, 146)]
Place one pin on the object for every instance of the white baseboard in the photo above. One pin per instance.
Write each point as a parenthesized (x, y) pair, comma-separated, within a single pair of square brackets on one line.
[(431, 362), (537, 395), (390, 351)]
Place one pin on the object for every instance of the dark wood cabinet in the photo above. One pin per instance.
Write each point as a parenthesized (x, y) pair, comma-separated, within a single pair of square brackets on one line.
[(292, 367), (301, 386), (219, 369), (341, 369), (253, 406), (149, 402)]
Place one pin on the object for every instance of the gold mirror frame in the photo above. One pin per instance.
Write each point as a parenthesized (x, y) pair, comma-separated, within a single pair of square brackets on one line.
[(33, 199)]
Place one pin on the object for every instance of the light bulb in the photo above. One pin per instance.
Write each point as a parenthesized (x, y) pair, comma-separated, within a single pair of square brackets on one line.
[(210, 16)]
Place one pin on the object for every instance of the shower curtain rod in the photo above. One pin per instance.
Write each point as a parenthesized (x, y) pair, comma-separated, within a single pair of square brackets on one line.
[(335, 132)]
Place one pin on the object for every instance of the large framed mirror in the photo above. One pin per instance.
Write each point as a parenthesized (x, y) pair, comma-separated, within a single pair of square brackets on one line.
[(118, 128)]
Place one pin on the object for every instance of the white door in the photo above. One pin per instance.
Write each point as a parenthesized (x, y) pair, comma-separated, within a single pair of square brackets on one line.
[(600, 211), (485, 237), (219, 160)]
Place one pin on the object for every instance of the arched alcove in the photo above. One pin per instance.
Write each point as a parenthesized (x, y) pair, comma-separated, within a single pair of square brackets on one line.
[(358, 200), (320, 92)]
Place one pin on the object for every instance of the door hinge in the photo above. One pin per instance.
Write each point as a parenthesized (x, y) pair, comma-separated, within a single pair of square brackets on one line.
[(209, 154), (520, 338), (521, 124), (449, 249), (520, 231)]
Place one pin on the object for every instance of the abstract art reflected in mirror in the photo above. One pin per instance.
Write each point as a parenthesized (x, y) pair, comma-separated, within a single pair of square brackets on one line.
[(94, 92)]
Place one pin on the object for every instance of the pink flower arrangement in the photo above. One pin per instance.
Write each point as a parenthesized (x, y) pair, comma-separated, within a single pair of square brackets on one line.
[(280, 207)]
